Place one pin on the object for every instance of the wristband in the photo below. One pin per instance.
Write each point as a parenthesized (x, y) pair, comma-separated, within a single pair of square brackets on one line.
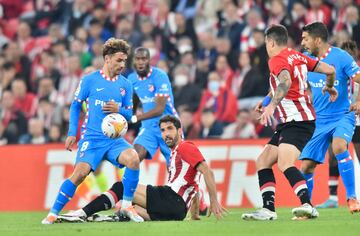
[(266, 101), (134, 119)]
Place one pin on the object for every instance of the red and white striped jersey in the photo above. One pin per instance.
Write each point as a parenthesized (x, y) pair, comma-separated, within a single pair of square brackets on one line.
[(183, 175), (296, 105)]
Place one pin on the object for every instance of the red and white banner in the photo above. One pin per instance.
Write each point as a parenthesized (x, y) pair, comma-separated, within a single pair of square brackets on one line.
[(30, 176)]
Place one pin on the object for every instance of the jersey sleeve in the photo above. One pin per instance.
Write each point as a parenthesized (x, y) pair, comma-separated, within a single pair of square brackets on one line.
[(311, 63), (82, 91), (277, 64), (162, 85), (191, 154), (128, 98), (349, 65)]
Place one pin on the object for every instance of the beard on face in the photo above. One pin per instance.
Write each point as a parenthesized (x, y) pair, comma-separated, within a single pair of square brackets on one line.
[(173, 141), (144, 72)]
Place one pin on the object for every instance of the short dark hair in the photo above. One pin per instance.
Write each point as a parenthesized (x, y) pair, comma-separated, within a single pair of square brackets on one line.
[(142, 50), (278, 33), (172, 119), (113, 45), (351, 47), (317, 30)]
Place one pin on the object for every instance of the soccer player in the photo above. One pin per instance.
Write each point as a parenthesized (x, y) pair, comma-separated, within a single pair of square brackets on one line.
[(288, 71), (171, 201), (332, 201), (105, 91), (334, 120)]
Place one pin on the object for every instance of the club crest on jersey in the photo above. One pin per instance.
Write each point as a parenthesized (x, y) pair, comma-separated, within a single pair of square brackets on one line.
[(122, 92), (151, 88)]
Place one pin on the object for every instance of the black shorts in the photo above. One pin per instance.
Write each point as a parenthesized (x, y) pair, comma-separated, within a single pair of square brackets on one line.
[(356, 136), (162, 203), (297, 133)]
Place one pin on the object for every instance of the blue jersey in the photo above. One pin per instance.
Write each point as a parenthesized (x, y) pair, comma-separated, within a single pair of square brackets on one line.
[(345, 67), (96, 89), (156, 84)]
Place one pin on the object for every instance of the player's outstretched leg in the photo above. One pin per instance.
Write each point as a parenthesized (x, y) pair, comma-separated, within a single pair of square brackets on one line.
[(130, 159)]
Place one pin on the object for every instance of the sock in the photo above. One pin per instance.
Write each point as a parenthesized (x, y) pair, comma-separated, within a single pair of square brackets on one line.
[(298, 184), (106, 200), (346, 169), (101, 181), (130, 181), (333, 180), (65, 194), (309, 178), (267, 188)]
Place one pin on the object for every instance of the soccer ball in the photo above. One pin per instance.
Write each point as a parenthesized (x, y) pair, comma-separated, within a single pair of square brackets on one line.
[(114, 125)]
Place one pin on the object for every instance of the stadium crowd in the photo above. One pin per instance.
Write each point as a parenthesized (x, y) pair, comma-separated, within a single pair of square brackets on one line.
[(213, 51)]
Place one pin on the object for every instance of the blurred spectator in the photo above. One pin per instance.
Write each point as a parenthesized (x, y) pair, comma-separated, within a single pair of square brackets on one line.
[(339, 14), (248, 85), (80, 15), (206, 54), (46, 112), (232, 27), (155, 53), (97, 32), (223, 47), (60, 53), (125, 30), (47, 89), (189, 128), (318, 11), (210, 126), (223, 69), (70, 81), (242, 128), (36, 133), (14, 54), (8, 75), (44, 66), (259, 57), (298, 21), (13, 120), (24, 101), (186, 7), (55, 134), (77, 46), (26, 42), (254, 21), (100, 13), (186, 93), (219, 99)]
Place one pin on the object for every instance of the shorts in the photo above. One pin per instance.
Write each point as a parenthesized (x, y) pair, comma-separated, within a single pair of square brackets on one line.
[(297, 133), (325, 131), (162, 203), (93, 151), (356, 136), (150, 138)]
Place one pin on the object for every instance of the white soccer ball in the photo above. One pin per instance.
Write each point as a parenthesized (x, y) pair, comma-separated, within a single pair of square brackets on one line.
[(114, 125)]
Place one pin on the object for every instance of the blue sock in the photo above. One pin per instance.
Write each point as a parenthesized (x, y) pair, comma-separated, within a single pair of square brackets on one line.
[(130, 181), (66, 192), (309, 182), (346, 169)]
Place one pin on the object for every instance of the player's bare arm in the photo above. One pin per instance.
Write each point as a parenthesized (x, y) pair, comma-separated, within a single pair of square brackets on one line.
[(330, 73), (280, 92), (157, 111), (356, 105), (69, 143), (215, 206)]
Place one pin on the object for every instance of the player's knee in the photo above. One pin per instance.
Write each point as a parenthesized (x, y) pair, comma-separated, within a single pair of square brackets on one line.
[(337, 149), (133, 162), (262, 163), (78, 176)]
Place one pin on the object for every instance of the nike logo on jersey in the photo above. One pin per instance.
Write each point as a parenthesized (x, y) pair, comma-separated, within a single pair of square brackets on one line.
[(346, 170), (346, 135), (136, 88), (99, 89)]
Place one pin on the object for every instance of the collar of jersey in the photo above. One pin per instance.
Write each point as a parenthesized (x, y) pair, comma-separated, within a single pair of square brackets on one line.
[(325, 55), (108, 78), (147, 76)]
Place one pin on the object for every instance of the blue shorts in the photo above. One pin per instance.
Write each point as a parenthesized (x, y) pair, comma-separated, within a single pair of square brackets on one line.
[(325, 131), (93, 151), (150, 138)]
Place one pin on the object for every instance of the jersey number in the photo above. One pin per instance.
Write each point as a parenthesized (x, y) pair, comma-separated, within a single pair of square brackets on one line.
[(84, 146), (300, 73)]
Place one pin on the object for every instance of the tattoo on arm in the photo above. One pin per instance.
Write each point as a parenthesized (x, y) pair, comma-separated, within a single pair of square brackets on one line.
[(283, 87)]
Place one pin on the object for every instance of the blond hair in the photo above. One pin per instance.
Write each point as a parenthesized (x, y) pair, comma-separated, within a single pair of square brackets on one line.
[(113, 45)]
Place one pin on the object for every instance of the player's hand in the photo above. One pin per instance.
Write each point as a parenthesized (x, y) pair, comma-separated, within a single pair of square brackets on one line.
[(267, 116), (216, 209), (259, 107), (69, 143), (355, 107), (111, 107), (332, 91)]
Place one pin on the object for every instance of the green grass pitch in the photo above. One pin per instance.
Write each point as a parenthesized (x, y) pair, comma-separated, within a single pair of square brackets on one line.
[(331, 222)]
